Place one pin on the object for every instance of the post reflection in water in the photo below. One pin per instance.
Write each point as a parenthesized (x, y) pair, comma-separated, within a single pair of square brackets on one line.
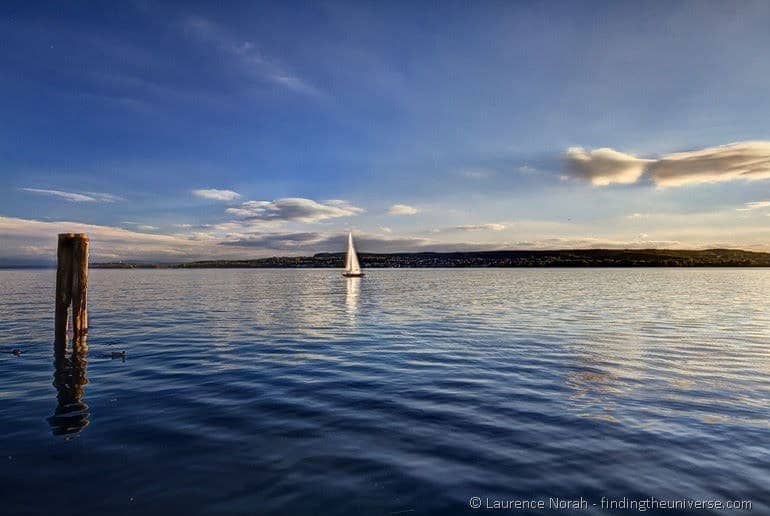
[(71, 414), (353, 286)]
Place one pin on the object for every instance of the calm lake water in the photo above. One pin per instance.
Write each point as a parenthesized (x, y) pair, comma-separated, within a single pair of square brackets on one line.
[(407, 392)]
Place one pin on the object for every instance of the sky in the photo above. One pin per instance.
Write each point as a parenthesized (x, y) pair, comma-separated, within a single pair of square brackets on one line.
[(192, 130)]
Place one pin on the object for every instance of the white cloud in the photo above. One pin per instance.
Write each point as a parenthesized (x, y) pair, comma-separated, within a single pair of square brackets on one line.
[(386, 229), (749, 161), (216, 195), (294, 209), (402, 209), (492, 226), (605, 166), (74, 196), (757, 205)]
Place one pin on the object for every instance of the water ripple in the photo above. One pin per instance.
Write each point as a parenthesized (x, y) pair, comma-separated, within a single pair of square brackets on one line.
[(298, 392)]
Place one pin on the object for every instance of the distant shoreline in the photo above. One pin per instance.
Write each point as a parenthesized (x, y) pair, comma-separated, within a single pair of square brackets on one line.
[(484, 259), (581, 258)]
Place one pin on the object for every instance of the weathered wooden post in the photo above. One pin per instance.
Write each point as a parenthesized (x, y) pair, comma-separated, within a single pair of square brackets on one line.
[(72, 284)]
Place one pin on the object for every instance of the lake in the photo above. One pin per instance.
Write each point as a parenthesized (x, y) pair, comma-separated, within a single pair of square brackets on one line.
[(405, 392)]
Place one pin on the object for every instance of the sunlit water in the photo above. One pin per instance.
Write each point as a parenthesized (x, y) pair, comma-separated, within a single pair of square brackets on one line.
[(407, 392)]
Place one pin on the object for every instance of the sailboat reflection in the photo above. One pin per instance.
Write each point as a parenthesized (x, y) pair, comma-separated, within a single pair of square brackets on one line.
[(353, 286), (71, 414)]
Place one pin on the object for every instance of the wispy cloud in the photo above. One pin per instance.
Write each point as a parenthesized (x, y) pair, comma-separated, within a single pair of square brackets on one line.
[(216, 195), (478, 173), (253, 62), (140, 226), (35, 238), (105, 197), (491, 226), (757, 205), (749, 161), (67, 196), (402, 209), (294, 209), (746, 160), (75, 196)]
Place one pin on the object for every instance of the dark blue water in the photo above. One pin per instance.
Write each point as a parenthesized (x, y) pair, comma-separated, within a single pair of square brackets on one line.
[(407, 392)]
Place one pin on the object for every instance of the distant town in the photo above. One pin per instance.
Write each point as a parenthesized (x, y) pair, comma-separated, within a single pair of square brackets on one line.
[(557, 258)]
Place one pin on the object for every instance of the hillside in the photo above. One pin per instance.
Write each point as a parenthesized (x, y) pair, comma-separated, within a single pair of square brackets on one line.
[(556, 258)]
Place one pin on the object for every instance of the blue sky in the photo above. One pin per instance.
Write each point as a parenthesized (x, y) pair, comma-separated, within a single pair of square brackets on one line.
[(198, 130)]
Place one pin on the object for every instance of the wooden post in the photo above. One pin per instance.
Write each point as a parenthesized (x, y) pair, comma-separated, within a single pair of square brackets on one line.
[(80, 286), (72, 284)]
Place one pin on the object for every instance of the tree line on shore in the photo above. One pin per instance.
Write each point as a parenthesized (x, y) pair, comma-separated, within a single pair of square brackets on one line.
[(556, 258)]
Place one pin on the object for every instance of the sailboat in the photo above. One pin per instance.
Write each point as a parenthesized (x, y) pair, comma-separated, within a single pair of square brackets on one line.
[(352, 267)]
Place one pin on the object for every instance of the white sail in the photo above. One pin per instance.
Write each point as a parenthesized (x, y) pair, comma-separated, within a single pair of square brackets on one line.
[(351, 260)]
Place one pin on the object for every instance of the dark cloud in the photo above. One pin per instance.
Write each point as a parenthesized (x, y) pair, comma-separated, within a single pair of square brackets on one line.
[(311, 243), (294, 209), (325, 242)]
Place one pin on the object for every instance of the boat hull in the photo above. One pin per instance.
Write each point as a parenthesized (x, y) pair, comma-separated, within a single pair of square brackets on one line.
[(353, 274)]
